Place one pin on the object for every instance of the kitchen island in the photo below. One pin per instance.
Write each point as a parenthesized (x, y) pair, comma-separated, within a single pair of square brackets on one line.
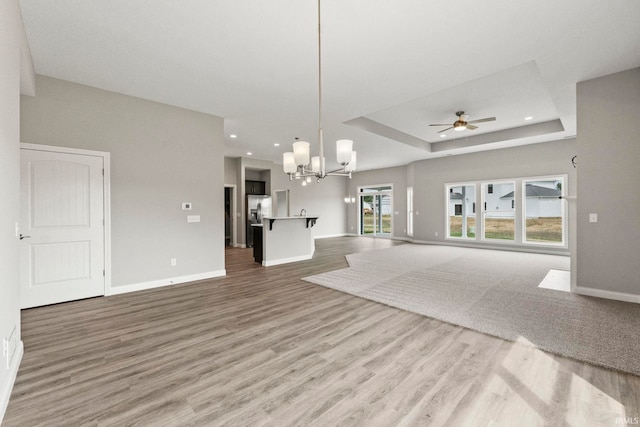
[(287, 239)]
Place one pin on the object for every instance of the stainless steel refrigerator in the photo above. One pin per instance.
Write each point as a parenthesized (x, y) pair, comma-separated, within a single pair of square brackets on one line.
[(257, 208)]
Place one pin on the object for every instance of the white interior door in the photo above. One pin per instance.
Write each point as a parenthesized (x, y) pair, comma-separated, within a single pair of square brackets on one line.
[(62, 227)]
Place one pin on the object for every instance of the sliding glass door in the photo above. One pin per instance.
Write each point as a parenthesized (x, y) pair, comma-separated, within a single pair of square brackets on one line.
[(375, 211)]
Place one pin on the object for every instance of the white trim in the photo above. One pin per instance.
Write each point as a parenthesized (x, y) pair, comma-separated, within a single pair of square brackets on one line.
[(57, 149), (378, 192), (447, 214), (234, 216), (600, 293), (286, 260), (563, 207), (240, 245), (115, 290), (106, 191), (5, 393), (107, 221)]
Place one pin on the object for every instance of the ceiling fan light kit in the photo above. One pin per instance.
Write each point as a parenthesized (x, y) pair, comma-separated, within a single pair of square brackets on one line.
[(462, 123), (296, 163)]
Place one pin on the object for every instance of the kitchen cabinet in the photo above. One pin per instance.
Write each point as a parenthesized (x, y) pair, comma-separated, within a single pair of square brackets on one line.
[(255, 187)]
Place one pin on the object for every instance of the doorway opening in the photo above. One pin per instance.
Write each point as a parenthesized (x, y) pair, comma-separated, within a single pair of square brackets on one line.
[(375, 211), (229, 216)]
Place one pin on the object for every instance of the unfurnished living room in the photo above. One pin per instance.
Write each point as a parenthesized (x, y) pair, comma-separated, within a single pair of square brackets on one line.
[(319, 212)]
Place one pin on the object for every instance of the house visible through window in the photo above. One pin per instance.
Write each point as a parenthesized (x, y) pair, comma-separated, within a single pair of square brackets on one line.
[(544, 211), (461, 217), (539, 214), (375, 210)]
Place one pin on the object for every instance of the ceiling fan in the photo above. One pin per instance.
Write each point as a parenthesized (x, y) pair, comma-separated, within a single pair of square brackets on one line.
[(462, 123)]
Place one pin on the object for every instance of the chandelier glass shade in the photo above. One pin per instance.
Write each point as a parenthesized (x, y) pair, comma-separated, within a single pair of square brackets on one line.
[(299, 164)]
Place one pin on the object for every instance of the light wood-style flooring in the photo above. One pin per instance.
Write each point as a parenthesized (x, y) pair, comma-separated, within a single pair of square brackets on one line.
[(262, 347)]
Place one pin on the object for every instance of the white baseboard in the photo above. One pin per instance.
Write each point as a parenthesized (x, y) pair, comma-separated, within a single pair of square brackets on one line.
[(240, 245), (286, 260), (5, 392), (115, 290), (600, 293)]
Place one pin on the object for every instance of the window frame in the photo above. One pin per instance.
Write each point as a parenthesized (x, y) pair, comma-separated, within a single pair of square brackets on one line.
[(490, 185), (448, 191), (376, 190), (563, 178)]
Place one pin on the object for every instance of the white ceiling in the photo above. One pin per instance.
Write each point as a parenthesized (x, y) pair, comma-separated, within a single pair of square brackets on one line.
[(390, 68)]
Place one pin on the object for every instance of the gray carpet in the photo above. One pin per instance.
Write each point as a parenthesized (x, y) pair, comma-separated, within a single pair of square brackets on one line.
[(495, 292)]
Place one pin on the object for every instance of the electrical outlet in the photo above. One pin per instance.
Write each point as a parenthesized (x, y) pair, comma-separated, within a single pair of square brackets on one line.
[(174, 262), (436, 234)]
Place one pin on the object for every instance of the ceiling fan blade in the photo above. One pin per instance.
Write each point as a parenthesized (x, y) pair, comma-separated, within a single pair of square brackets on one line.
[(440, 124), (471, 127), (440, 131), (487, 119)]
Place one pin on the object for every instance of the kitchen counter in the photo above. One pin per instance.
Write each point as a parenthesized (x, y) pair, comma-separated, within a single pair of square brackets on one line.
[(287, 239)]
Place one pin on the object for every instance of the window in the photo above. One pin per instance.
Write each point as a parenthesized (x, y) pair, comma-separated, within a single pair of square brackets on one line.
[(461, 218), (523, 211), (498, 219), (410, 211), (544, 216)]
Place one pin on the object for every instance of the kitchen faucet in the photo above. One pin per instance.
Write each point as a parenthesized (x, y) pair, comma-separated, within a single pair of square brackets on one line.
[(303, 212)]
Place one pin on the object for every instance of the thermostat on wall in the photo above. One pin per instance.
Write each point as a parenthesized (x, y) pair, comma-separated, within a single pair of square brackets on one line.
[(186, 206)]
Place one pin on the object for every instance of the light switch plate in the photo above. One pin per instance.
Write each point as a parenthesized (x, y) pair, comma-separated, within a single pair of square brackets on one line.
[(593, 217), (186, 206)]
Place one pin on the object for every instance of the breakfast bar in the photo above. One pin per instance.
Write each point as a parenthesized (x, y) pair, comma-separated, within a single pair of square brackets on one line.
[(285, 239)]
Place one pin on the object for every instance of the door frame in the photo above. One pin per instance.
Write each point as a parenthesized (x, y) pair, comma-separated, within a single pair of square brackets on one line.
[(106, 202), (383, 192), (234, 214)]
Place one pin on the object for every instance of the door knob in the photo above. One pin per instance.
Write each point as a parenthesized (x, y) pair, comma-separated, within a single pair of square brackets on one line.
[(22, 236)]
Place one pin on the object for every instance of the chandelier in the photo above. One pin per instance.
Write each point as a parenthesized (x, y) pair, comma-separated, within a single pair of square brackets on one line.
[(298, 164)]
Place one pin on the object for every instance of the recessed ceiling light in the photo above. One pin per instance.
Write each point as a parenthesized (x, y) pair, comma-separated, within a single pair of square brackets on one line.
[(249, 153), (528, 118), (442, 136), (233, 135), (276, 145)]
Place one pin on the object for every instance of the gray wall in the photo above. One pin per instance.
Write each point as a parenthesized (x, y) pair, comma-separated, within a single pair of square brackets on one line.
[(161, 156), (230, 168), (428, 178), (10, 30), (609, 176)]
